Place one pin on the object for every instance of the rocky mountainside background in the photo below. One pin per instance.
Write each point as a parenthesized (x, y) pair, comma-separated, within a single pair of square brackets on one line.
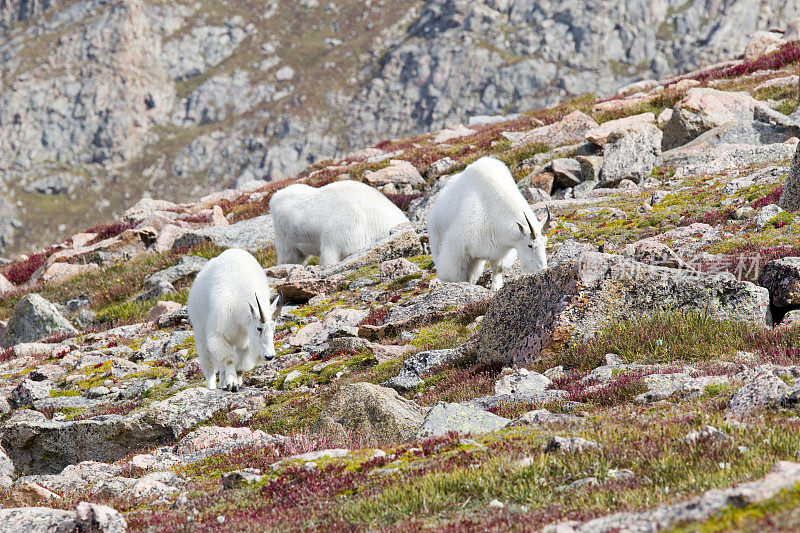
[(647, 380), (103, 102)]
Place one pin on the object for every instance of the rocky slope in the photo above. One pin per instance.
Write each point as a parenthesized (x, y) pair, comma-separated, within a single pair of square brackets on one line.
[(102, 102), (647, 380)]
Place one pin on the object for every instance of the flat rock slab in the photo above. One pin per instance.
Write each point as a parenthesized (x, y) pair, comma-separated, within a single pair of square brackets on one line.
[(28, 435), (252, 235), (783, 476), (447, 417)]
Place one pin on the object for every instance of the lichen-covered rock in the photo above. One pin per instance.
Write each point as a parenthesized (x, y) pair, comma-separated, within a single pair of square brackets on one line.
[(781, 277), (336, 323), (107, 438), (397, 268), (399, 176), (763, 391), (543, 417), (523, 382), (34, 318), (28, 391), (418, 365), (782, 476), (542, 313), (99, 518), (570, 445), (402, 243), (461, 418), (441, 298), (37, 520), (790, 197), (765, 214), (375, 413)]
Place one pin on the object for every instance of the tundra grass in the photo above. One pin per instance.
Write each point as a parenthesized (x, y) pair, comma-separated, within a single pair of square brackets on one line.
[(446, 483), (679, 337)]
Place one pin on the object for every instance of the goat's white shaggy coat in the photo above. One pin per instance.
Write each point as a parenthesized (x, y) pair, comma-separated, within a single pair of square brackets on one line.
[(233, 317), (481, 216), (330, 222)]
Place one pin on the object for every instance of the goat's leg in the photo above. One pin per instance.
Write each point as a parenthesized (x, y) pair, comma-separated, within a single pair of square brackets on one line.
[(328, 256), (475, 270), (499, 265), (225, 356), (207, 365)]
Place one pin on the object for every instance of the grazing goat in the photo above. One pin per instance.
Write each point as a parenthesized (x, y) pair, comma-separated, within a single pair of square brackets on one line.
[(481, 216), (233, 317), (330, 222)]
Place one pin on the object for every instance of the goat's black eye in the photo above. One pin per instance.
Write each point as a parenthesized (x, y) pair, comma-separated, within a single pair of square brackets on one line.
[(530, 245), (260, 329)]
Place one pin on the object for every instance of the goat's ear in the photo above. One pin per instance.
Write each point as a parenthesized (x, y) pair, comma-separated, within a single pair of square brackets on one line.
[(253, 311), (278, 303), (521, 228)]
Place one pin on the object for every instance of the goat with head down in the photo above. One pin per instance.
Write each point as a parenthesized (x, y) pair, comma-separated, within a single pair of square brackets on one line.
[(233, 315), (481, 216), (331, 222)]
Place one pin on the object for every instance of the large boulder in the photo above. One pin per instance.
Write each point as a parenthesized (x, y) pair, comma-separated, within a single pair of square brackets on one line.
[(252, 235), (631, 154), (790, 198), (703, 109), (781, 277), (34, 318), (376, 413), (542, 313), (569, 130)]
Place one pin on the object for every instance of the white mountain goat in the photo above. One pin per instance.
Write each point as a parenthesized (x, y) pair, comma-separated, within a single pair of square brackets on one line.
[(481, 216), (233, 317), (331, 222)]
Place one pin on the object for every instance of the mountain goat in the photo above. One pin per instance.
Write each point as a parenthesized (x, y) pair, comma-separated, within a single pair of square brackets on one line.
[(233, 317), (331, 222), (481, 216)]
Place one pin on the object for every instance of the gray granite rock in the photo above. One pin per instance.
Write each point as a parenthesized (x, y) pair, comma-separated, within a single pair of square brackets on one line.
[(447, 417), (34, 318), (377, 414), (252, 235)]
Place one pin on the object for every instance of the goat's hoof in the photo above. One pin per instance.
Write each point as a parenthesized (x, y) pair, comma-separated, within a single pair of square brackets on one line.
[(234, 388)]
